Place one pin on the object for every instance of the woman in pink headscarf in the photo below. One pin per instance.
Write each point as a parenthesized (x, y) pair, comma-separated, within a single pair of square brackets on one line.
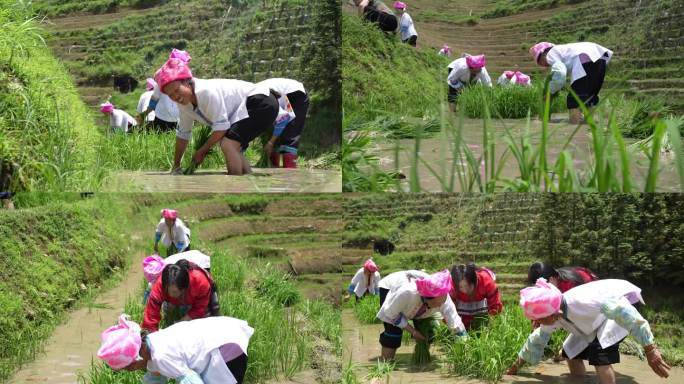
[(119, 120), (210, 351), (172, 233), (237, 112), (409, 35), (365, 280), (585, 62), (420, 299), (445, 50), (464, 72), (598, 315), (514, 78)]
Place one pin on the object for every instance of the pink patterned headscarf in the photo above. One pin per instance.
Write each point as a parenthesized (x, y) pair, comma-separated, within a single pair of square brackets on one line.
[(169, 214), (153, 267), (107, 107), (509, 74), (539, 48), (370, 266), (540, 301), (172, 70), (120, 343), (475, 62), (399, 5), (521, 78), (181, 55), (150, 84), (437, 284)]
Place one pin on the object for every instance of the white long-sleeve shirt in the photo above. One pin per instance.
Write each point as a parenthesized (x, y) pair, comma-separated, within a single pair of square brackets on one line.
[(181, 233), (220, 104), (395, 280), (403, 304), (359, 283), (199, 347), (406, 27), (193, 256), (143, 103), (602, 310), (119, 120), (282, 85), (566, 58), (460, 75)]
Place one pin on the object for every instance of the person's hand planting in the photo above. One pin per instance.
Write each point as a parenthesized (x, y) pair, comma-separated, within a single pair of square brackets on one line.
[(656, 362), (513, 370), (177, 171), (417, 335), (198, 157)]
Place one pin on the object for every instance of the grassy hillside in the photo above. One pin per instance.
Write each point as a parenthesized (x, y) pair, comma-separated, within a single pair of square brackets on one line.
[(42, 119)]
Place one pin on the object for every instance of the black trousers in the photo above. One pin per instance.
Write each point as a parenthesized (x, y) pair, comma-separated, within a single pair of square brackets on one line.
[(293, 132), (263, 111), (238, 367), (588, 87)]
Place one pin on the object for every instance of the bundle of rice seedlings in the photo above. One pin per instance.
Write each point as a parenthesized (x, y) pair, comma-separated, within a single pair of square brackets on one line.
[(421, 352)]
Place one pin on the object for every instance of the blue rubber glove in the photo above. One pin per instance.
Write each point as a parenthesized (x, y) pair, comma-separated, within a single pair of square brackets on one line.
[(351, 288), (190, 377)]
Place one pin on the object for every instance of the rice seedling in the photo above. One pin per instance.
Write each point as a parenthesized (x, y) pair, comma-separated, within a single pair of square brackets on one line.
[(349, 374), (421, 351), (381, 370), (276, 287), (367, 308), (248, 204), (608, 170)]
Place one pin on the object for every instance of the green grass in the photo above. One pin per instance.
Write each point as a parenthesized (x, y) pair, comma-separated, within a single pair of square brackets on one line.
[(48, 253), (513, 102), (367, 308), (42, 118)]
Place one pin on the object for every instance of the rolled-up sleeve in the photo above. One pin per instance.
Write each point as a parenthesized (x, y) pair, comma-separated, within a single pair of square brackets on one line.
[(559, 73), (626, 316), (184, 130), (533, 349), (392, 311), (453, 320)]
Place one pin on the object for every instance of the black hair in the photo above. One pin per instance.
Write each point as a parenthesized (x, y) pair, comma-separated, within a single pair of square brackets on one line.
[(543, 54), (465, 272), (176, 274), (540, 269), (275, 93)]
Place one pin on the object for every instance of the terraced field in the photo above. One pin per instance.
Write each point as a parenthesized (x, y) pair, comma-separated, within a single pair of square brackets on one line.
[(249, 40), (645, 35)]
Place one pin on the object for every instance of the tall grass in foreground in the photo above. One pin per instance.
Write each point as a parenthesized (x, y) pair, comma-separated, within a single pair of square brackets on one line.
[(608, 170)]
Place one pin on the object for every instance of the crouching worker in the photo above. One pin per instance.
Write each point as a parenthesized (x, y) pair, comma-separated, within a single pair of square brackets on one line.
[(585, 62), (119, 120), (376, 12), (365, 281), (285, 139), (237, 112), (209, 351), (475, 294), (419, 299), (598, 316), (564, 278), (154, 265), (184, 288), (172, 232), (464, 72)]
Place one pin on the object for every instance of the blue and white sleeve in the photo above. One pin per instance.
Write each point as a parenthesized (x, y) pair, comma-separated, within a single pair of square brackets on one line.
[(533, 349), (630, 319)]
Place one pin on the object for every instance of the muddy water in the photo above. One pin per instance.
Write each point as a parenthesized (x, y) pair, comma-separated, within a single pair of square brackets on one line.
[(270, 180), (73, 345), (630, 370), (436, 152), (362, 348)]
